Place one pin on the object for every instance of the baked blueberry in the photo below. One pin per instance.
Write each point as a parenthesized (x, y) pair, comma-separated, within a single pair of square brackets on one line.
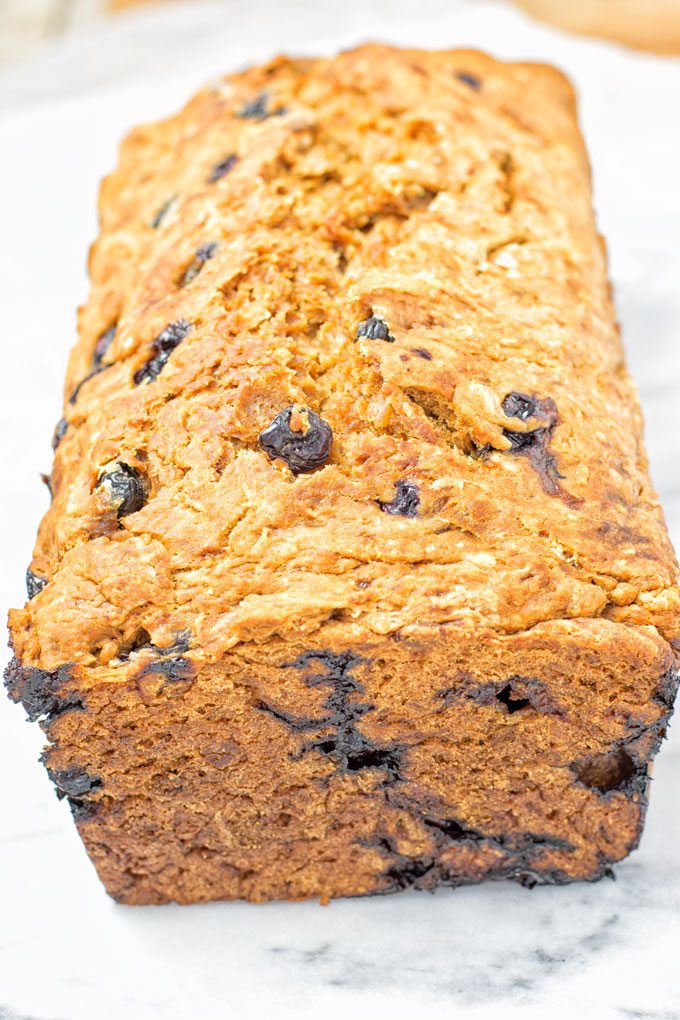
[(469, 79), (535, 444), (172, 669), (103, 344), (300, 437), (259, 109), (59, 432), (73, 781), (126, 489), (374, 329), (34, 583), (162, 212), (406, 502), (162, 348), (519, 405), (523, 440), (40, 691), (90, 375), (222, 168), (205, 252)]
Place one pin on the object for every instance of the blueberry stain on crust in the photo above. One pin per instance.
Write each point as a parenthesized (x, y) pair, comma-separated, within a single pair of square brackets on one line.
[(60, 430), (344, 742), (126, 488), (103, 344), (668, 687), (519, 855), (162, 212), (534, 444), (203, 254), (406, 501), (469, 79), (172, 669), (73, 781), (299, 437), (222, 168), (519, 405), (374, 329), (34, 584), (41, 692), (90, 375), (259, 108), (162, 347)]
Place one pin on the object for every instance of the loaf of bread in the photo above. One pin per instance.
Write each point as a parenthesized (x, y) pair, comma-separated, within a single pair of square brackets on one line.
[(353, 577)]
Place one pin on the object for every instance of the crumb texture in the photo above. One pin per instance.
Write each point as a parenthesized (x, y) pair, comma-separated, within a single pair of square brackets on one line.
[(353, 576)]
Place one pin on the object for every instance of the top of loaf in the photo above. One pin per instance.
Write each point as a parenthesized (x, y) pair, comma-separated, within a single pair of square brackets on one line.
[(401, 242)]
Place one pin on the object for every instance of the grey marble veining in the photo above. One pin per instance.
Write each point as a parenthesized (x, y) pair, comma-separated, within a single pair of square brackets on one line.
[(607, 951)]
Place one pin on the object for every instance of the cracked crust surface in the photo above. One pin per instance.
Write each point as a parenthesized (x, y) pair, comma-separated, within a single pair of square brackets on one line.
[(401, 246)]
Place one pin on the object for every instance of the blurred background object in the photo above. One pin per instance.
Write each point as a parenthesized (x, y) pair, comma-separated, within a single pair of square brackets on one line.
[(643, 24)]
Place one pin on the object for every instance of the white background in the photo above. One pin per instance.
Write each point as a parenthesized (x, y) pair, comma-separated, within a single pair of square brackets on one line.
[(67, 952)]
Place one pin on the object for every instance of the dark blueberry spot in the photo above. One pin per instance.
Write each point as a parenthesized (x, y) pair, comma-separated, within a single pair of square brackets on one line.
[(162, 212), (518, 405), (406, 502), (525, 440), (612, 770), (668, 687), (351, 750), (205, 252), (298, 723), (34, 583), (453, 829), (40, 691), (103, 344), (422, 353), (222, 168), (512, 704), (173, 669), (126, 489), (303, 450), (59, 432), (83, 810), (162, 348), (535, 444), (378, 842), (528, 879), (95, 371), (374, 329), (407, 871), (326, 746), (259, 109), (371, 757), (469, 79), (73, 782)]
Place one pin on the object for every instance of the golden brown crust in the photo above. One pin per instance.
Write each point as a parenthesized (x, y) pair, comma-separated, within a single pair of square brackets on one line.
[(403, 244)]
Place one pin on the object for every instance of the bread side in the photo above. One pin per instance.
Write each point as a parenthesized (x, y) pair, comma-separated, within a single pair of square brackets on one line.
[(353, 547)]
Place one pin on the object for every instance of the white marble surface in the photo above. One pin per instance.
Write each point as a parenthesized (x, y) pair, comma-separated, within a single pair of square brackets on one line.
[(602, 952)]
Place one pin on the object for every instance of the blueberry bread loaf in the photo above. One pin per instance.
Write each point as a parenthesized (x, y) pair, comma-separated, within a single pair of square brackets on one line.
[(353, 577)]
